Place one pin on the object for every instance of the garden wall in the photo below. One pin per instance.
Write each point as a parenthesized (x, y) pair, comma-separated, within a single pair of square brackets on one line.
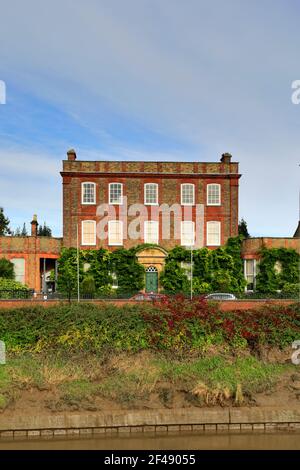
[(224, 305)]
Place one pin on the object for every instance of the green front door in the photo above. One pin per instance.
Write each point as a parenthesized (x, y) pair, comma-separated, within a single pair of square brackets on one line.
[(151, 280)]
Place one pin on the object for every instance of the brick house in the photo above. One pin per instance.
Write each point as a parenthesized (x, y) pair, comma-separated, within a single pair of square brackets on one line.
[(115, 204), (166, 203)]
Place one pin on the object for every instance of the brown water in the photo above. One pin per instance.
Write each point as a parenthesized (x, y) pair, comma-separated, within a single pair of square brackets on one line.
[(259, 441)]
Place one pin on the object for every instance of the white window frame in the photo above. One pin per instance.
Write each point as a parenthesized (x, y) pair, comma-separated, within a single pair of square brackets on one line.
[(19, 269), (247, 276), (83, 243), (109, 194), (82, 193), (110, 222), (181, 198), (145, 190), (208, 224), (207, 195), (155, 224), (183, 223)]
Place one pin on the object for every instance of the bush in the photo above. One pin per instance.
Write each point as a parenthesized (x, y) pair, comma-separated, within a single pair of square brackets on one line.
[(10, 289), (172, 324), (6, 269)]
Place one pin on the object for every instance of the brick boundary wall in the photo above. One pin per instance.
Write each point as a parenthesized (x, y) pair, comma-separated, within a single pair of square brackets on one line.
[(156, 421), (224, 305)]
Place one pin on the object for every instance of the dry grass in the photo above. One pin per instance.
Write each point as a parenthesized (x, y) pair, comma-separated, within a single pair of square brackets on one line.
[(212, 396), (57, 375)]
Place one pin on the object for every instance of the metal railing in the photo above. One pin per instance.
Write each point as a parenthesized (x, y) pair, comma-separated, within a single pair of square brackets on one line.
[(7, 294)]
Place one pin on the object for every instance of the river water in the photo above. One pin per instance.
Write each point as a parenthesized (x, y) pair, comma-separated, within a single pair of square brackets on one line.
[(171, 441)]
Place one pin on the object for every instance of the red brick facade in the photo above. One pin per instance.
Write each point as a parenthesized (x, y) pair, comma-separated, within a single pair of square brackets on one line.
[(39, 254), (169, 176), (33, 250)]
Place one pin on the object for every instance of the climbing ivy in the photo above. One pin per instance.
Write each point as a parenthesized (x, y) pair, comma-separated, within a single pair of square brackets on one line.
[(285, 277), (213, 270), (96, 268), (129, 273)]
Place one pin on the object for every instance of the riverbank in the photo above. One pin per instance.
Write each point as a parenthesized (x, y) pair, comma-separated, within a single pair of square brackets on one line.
[(44, 384), (266, 419), (74, 360)]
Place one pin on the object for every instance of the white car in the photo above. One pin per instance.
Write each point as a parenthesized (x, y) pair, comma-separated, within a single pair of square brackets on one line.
[(220, 296)]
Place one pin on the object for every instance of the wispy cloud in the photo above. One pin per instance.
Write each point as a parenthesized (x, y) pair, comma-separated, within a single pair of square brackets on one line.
[(159, 80)]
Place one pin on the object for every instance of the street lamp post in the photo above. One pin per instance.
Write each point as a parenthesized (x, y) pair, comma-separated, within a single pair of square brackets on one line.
[(191, 272), (78, 288)]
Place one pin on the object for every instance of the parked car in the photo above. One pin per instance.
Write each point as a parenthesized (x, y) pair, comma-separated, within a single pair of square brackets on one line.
[(220, 296), (148, 296)]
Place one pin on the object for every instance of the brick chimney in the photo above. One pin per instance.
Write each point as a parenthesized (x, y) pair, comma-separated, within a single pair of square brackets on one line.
[(226, 158), (34, 224), (71, 155)]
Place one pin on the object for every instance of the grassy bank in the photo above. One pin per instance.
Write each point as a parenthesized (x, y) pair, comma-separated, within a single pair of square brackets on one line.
[(138, 380), (175, 354)]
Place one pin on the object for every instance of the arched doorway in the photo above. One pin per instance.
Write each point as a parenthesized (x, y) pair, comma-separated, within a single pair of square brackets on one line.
[(151, 279)]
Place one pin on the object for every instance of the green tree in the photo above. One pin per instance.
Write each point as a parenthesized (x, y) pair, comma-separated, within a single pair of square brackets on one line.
[(24, 232), (243, 229), (44, 231), (6, 269), (67, 272), (4, 224)]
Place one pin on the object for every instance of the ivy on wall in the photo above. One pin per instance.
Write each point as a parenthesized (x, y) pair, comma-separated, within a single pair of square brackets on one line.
[(278, 270), (129, 273), (96, 271), (213, 270)]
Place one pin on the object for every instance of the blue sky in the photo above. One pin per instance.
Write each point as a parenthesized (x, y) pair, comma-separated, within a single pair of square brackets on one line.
[(151, 80)]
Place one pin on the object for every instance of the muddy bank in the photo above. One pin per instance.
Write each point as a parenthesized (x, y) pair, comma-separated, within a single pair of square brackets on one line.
[(55, 384)]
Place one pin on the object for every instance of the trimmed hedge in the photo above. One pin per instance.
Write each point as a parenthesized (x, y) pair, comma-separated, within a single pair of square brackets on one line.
[(173, 324)]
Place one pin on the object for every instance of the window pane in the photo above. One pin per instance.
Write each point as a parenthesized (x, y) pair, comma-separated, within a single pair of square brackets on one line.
[(89, 232), (187, 194), (151, 231), (151, 193), (213, 233), (250, 273), (115, 232), (19, 269), (88, 193), (250, 267), (213, 194), (115, 193), (187, 233)]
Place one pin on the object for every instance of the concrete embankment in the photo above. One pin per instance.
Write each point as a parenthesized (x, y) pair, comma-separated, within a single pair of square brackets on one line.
[(192, 419)]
